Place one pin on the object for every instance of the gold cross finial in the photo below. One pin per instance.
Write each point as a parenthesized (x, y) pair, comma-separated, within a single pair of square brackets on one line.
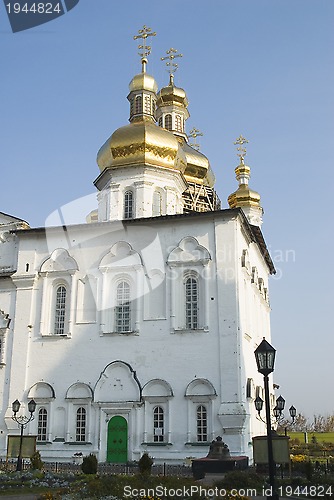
[(241, 141), (145, 49), (194, 132), (171, 65)]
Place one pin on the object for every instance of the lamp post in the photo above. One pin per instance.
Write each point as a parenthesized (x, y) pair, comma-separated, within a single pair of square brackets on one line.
[(22, 421), (265, 360)]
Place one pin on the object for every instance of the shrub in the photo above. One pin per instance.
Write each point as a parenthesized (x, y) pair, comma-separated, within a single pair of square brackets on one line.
[(89, 464), (145, 464), (36, 462), (240, 479)]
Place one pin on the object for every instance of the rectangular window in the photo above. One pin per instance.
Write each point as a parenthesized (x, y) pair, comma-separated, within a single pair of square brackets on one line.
[(42, 424), (202, 424), (81, 425), (123, 310), (60, 309), (158, 424), (191, 296)]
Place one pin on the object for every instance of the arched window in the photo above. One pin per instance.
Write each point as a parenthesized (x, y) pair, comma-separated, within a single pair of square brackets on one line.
[(138, 104), (191, 302), (168, 122), (42, 424), (157, 202), (158, 424), (160, 121), (128, 205), (202, 423), (123, 310), (178, 123), (60, 310), (148, 105), (81, 425)]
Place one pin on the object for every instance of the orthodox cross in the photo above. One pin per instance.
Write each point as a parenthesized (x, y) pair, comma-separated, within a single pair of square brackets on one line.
[(171, 65), (194, 132), (241, 141), (145, 49)]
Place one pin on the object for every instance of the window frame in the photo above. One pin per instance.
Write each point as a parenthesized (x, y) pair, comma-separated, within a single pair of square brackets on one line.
[(201, 423), (191, 302), (122, 310), (81, 425), (158, 423), (128, 204), (42, 425)]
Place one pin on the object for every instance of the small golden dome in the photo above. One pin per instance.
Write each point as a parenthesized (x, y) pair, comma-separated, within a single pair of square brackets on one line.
[(172, 95), (198, 167), (244, 197), (143, 81), (142, 142)]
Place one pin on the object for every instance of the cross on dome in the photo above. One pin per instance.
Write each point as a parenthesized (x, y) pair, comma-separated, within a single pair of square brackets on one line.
[(241, 141), (194, 132), (145, 49), (171, 65)]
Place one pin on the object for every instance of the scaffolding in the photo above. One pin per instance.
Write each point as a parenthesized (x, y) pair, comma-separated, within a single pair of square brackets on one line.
[(200, 198)]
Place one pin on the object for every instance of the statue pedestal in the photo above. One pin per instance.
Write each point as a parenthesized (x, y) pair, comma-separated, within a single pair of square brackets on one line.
[(218, 461)]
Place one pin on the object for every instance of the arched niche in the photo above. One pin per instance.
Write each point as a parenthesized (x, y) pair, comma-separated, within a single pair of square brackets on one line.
[(189, 251), (121, 254), (200, 388), (59, 261), (157, 389), (41, 391), (79, 391), (118, 383)]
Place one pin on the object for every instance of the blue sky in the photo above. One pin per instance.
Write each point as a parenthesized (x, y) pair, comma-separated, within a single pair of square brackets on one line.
[(260, 68)]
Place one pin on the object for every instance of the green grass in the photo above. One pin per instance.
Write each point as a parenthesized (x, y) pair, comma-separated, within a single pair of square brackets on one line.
[(321, 437)]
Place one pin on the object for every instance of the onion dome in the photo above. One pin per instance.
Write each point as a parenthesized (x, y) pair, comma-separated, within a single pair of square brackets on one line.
[(198, 167), (243, 196), (142, 142), (172, 95), (143, 81)]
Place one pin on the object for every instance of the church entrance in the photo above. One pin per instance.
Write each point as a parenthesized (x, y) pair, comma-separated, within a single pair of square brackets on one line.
[(117, 442)]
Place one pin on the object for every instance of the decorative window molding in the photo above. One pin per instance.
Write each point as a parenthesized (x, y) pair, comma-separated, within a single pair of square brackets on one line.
[(120, 308), (156, 394), (58, 294), (79, 397), (200, 394), (188, 264)]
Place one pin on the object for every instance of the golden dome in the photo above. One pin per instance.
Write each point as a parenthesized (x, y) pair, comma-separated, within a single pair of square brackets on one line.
[(172, 95), (198, 167), (243, 196), (142, 142), (143, 81)]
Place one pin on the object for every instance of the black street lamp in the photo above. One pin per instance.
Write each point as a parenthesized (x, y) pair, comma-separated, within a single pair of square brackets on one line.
[(23, 422), (265, 360)]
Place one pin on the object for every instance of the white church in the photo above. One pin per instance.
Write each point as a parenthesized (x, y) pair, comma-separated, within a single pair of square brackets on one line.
[(136, 331)]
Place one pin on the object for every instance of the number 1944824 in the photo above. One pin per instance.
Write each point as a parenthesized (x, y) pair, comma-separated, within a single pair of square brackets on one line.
[(34, 8)]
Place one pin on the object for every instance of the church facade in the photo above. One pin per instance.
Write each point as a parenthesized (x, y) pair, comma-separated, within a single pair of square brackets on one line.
[(136, 331)]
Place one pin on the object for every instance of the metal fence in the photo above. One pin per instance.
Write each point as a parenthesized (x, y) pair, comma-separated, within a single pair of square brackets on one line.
[(163, 469)]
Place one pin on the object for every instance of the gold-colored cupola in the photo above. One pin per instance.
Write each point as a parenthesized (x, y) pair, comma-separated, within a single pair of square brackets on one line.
[(244, 197)]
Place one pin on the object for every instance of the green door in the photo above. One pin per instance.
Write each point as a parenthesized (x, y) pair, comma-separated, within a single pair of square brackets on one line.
[(117, 444)]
